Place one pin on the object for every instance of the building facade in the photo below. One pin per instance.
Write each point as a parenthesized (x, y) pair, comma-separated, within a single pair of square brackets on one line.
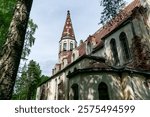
[(113, 63)]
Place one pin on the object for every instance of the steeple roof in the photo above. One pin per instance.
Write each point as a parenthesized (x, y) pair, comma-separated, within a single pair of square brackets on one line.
[(68, 28)]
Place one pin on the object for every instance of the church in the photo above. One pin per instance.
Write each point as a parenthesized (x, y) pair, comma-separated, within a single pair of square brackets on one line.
[(111, 64)]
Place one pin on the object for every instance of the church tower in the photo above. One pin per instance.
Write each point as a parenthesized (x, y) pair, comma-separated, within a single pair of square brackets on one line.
[(68, 41)]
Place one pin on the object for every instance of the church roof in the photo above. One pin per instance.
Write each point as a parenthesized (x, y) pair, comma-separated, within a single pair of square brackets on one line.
[(115, 22), (109, 27), (68, 28)]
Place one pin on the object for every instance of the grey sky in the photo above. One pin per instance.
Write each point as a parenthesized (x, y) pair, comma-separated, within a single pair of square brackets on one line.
[(50, 17)]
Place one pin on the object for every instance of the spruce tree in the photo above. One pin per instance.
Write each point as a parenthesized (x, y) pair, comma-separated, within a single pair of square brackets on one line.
[(110, 9), (27, 83)]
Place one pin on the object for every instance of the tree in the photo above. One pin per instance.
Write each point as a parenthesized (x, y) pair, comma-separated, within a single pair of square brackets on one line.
[(11, 53), (43, 79), (29, 39), (33, 74), (26, 85), (111, 9), (20, 90)]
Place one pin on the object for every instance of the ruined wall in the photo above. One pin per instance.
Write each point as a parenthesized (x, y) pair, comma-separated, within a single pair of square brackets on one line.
[(141, 42), (47, 91), (52, 86), (126, 87), (89, 82), (135, 87)]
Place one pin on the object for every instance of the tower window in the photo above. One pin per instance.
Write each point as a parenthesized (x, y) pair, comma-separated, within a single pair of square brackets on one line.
[(71, 46), (124, 45), (75, 89), (103, 91), (114, 51), (73, 56), (64, 46), (89, 47)]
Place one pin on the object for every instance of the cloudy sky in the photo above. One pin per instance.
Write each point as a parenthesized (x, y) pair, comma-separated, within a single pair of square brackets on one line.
[(50, 16)]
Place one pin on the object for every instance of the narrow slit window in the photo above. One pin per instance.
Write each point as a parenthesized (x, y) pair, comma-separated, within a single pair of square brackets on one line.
[(64, 46), (75, 89), (114, 51), (71, 46), (125, 46)]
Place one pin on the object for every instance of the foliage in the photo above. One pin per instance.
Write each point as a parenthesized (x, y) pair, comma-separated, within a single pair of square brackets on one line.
[(110, 9), (6, 13), (43, 78), (22, 83), (26, 85), (29, 39)]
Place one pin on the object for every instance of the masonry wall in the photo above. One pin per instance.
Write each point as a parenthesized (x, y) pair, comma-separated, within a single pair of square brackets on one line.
[(136, 86), (100, 53), (127, 87), (141, 47), (127, 29), (89, 82), (48, 90)]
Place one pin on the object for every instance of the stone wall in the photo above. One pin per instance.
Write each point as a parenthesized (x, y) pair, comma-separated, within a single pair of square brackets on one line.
[(127, 29), (89, 82), (126, 86)]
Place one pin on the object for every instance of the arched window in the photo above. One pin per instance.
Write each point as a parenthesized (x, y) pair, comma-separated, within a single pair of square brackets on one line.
[(114, 51), (103, 91), (124, 45), (75, 89), (43, 93), (69, 72), (65, 46), (60, 91), (71, 46), (75, 69), (89, 47)]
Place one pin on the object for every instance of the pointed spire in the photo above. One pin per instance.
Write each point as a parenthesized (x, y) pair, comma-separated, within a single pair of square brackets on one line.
[(68, 28)]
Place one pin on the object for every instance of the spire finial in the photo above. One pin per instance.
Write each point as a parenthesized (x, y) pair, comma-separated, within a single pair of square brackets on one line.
[(68, 12)]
